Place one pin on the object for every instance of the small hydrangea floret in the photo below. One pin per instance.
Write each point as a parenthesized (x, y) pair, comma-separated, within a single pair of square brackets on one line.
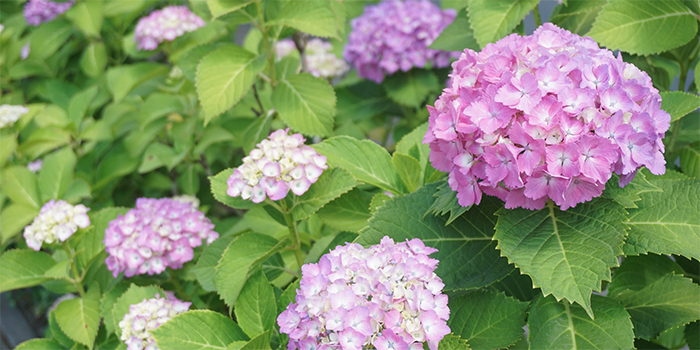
[(56, 222), (157, 234), (383, 297), (37, 12), (146, 316), (395, 35), (10, 114), (320, 59), (546, 116), (279, 164), (165, 25)]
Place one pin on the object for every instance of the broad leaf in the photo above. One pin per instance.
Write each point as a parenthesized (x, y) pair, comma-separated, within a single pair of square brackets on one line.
[(487, 320), (315, 17), (159, 105), (189, 61), (261, 342), (567, 253), (329, 186), (134, 295), (692, 335), (457, 36), (107, 303), (409, 170), (679, 104), (410, 88), (87, 16), (559, 325), (453, 342), (577, 16), (198, 330), (516, 285), (219, 8), (636, 272), (80, 103), (79, 318), (256, 309), (14, 218), (40, 344), (306, 104), (46, 39), (19, 184), (628, 196), (690, 159), (16, 272), (365, 160), (644, 27), (219, 187), (349, 212), (91, 244), (57, 174), (465, 248), (94, 59), (446, 202), (491, 20), (206, 265), (121, 80), (224, 76)]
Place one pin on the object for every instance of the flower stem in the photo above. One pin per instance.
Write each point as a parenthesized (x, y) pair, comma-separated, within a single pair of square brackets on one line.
[(536, 14), (77, 278), (293, 232)]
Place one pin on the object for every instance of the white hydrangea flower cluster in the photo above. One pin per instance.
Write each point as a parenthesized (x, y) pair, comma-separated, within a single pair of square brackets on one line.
[(57, 221), (320, 59), (146, 316), (10, 114), (188, 198)]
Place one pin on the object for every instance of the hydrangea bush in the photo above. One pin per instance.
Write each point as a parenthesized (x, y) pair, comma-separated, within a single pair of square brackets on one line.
[(331, 174)]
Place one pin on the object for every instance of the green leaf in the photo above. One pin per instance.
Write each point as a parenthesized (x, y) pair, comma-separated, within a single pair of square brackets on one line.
[(79, 318), (219, 187), (679, 104), (453, 342), (636, 272), (628, 195), (409, 170), (446, 202), (306, 104), (487, 320), (692, 335), (690, 159), (644, 27), (94, 59), (243, 256), (696, 76), (516, 285), (206, 265), (87, 16), (667, 222), (261, 342), (457, 36), (315, 17), (39, 344), (491, 20), (107, 303), (123, 79), (410, 88), (257, 131), (8, 145), (330, 185), (14, 218), (348, 212), (365, 160), (159, 105), (465, 248), (48, 38), (16, 273), (19, 184), (219, 8), (559, 325), (256, 309), (91, 244), (134, 295), (198, 330), (79, 104), (211, 136), (189, 61), (577, 16), (56, 174), (224, 76), (567, 253), (670, 301)]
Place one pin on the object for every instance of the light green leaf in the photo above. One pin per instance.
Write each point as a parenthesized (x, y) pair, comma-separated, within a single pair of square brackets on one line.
[(667, 222), (330, 185), (446, 202), (206, 265), (315, 17), (256, 310), (94, 59), (410, 88), (457, 36), (348, 212), (79, 104), (408, 169), (559, 325), (577, 16), (224, 76), (261, 342), (40, 344), (19, 184), (107, 303), (189, 61), (91, 244), (453, 342), (567, 253), (44, 140), (487, 320), (628, 195), (79, 318), (465, 248), (134, 295), (48, 38), (243, 256), (87, 16), (636, 272), (219, 187), (644, 27), (365, 160), (8, 145), (56, 332), (679, 104), (56, 174), (198, 330), (306, 104), (211, 136), (14, 218), (16, 273), (690, 159), (123, 79), (159, 105), (116, 7), (219, 8), (491, 20)]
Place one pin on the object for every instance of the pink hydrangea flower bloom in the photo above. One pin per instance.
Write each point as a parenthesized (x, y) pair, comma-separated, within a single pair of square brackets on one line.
[(386, 296), (165, 25), (395, 35), (37, 12), (546, 116), (157, 234), (146, 316), (57, 221), (280, 163)]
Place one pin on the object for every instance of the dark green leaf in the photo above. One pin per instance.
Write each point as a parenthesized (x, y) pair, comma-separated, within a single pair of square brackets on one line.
[(457, 36), (206, 265), (348, 212), (330, 185), (577, 16), (410, 88)]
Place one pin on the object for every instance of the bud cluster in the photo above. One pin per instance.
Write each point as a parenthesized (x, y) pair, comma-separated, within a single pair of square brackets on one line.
[(57, 221)]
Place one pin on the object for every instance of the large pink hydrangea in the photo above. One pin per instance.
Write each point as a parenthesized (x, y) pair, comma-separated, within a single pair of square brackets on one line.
[(157, 234), (165, 25), (549, 115), (386, 296), (395, 35)]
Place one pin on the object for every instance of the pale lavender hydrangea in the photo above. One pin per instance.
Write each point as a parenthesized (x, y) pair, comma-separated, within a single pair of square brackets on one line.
[(35, 166), (10, 114), (37, 12), (165, 25), (57, 221), (320, 59), (146, 316), (395, 35), (383, 297), (279, 164), (157, 234), (546, 116)]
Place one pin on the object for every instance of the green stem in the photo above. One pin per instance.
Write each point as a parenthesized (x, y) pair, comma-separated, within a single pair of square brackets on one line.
[(676, 128), (77, 278), (536, 14), (269, 44), (178, 287), (293, 232)]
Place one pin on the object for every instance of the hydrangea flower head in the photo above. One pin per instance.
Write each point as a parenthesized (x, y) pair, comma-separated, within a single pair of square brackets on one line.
[(319, 56), (146, 316), (280, 163), (57, 221), (37, 12), (386, 296), (10, 114), (165, 25), (395, 35), (546, 116), (157, 234)]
